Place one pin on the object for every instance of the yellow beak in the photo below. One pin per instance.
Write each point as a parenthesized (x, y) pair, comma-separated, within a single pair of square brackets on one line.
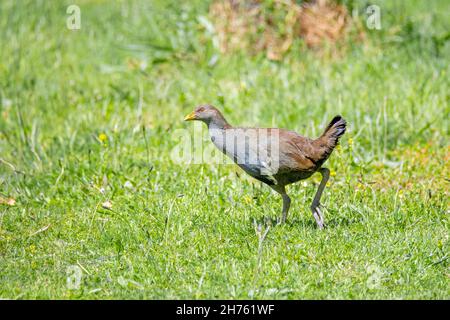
[(190, 116)]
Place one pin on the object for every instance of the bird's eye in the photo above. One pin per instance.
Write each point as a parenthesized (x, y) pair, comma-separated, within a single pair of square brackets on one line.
[(201, 109)]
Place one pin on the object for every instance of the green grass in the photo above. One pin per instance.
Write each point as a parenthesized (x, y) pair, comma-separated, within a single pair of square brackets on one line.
[(187, 231)]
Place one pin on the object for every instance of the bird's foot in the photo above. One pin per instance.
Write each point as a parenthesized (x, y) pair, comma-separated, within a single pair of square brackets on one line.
[(318, 216), (281, 221)]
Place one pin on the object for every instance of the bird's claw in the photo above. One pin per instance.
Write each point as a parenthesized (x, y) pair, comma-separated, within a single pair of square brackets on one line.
[(280, 221), (318, 216)]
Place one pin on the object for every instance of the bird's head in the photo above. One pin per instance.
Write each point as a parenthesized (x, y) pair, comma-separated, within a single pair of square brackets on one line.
[(206, 113)]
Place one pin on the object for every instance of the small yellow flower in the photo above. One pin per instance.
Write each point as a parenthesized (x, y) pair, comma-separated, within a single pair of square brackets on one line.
[(102, 137), (32, 249), (332, 173), (247, 199), (350, 141), (328, 184)]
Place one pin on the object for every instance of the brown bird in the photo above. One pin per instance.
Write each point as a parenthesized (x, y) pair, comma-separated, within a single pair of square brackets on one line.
[(277, 157)]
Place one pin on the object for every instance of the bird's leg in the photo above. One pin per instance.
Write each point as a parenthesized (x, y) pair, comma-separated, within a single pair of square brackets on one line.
[(286, 201), (316, 202), (286, 205)]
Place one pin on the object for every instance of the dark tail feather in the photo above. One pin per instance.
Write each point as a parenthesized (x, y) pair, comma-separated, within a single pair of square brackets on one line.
[(330, 137), (334, 131)]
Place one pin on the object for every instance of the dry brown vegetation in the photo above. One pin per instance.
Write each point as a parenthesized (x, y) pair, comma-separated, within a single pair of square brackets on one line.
[(255, 25)]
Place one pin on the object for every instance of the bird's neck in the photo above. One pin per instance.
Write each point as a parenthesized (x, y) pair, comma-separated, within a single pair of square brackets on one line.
[(218, 123)]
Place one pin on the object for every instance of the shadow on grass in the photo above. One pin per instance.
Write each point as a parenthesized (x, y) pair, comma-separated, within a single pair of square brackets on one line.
[(290, 222), (341, 221), (308, 222)]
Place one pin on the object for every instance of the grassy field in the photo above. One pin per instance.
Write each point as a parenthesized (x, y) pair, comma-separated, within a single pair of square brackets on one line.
[(89, 189)]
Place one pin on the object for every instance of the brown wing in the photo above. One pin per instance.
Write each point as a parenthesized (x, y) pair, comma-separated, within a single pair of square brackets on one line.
[(297, 153), (250, 147)]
